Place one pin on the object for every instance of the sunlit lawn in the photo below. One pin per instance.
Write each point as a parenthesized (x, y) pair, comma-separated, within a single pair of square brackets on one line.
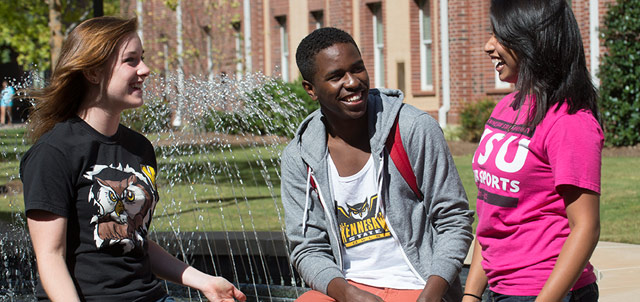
[(216, 208), (236, 197), (619, 203)]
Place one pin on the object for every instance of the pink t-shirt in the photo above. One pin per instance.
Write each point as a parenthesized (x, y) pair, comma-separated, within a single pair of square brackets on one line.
[(522, 222)]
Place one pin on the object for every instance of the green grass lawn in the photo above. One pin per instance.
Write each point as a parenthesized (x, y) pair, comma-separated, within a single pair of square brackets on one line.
[(619, 203), (244, 191)]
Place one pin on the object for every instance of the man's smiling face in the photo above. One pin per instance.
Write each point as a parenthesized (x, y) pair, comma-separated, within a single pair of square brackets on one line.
[(340, 83)]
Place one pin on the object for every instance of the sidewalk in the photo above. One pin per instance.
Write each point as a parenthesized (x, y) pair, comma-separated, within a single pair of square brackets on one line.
[(617, 266)]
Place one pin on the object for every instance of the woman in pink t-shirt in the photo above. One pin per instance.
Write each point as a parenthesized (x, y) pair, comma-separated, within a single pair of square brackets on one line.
[(537, 166)]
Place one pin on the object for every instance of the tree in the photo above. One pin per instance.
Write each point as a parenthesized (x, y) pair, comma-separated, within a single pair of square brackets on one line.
[(209, 50), (25, 29), (620, 74), (55, 25), (25, 26)]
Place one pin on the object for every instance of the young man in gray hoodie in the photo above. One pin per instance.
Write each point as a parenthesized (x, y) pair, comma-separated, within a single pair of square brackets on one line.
[(358, 232)]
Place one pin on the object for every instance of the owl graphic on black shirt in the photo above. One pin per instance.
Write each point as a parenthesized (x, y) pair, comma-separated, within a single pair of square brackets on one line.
[(126, 199)]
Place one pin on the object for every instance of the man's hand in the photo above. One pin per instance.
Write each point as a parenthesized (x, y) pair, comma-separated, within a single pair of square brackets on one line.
[(218, 289), (434, 289), (342, 291)]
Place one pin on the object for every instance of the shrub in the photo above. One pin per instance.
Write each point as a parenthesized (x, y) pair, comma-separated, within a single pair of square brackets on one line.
[(620, 74), (473, 118), (153, 116), (276, 108)]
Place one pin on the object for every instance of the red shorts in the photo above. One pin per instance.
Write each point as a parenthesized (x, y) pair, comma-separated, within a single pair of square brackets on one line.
[(387, 294)]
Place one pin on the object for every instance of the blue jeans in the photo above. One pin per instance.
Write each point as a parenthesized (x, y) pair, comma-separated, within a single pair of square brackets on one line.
[(588, 293), (166, 298)]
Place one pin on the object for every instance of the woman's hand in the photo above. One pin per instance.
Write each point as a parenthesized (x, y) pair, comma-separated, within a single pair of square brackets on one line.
[(168, 267), (218, 289)]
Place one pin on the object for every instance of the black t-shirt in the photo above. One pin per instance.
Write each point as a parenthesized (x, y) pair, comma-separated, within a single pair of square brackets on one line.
[(106, 188)]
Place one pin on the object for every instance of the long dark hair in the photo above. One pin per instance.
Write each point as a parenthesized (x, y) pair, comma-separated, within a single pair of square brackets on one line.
[(546, 39)]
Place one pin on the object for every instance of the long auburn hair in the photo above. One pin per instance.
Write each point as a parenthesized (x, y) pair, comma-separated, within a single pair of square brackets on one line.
[(90, 45), (546, 39)]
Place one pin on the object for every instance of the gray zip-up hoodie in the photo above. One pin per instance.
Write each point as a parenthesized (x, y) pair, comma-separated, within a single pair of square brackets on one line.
[(434, 233)]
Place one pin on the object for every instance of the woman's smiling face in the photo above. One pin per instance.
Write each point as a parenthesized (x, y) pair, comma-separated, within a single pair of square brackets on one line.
[(504, 60), (128, 72)]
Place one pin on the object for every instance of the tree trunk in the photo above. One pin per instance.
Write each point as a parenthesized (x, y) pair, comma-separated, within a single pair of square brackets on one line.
[(177, 121), (125, 8), (55, 25), (98, 8)]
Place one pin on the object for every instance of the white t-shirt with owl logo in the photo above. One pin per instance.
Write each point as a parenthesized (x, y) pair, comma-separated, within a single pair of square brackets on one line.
[(371, 255)]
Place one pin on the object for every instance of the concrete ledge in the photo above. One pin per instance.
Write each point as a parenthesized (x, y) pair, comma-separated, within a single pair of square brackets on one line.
[(618, 270), (223, 243), (246, 257)]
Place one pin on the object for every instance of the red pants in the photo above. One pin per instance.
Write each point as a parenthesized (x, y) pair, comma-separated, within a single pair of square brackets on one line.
[(387, 294)]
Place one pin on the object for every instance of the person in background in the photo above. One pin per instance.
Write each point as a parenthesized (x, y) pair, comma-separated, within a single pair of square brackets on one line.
[(537, 166), (358, 231), (90, 182), (5, 103)]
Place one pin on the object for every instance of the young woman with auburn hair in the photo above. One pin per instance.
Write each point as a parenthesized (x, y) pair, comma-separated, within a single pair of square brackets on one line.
[(90, 183), (537, 166)]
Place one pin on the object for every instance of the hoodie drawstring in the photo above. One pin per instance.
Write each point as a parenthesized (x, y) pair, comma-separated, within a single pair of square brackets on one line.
[(380, 180), (306, 202)]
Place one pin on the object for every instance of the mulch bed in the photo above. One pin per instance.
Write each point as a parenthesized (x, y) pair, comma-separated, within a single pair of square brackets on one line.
[(631, 151)]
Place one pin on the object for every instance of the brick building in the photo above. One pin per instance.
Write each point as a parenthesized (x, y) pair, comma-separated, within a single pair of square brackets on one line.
[(430, 49)]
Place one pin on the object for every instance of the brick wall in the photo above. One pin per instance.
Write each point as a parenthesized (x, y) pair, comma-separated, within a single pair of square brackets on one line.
[(257, 36), (602, 9), (459, 46), (340, 14), (581, 11), (311, 26), (159, 28), (416, 61), (316, 6), (366, 37), (472, 73), (414, 29), (279, 10)]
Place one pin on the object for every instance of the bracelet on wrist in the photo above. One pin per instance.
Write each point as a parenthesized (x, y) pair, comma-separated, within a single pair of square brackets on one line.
[(472, 295)]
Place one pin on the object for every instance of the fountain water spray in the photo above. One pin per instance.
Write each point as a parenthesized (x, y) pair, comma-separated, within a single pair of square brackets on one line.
[(218, 180)]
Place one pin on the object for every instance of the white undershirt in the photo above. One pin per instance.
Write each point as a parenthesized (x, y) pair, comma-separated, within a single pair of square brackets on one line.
[(370, 254)]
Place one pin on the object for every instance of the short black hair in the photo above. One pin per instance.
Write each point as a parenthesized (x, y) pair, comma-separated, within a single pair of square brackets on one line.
[(314, 43)]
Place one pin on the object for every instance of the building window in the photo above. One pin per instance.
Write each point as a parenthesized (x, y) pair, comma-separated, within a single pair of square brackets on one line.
[(426, 47), (318, 18), (378, 44), (284, 48)]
